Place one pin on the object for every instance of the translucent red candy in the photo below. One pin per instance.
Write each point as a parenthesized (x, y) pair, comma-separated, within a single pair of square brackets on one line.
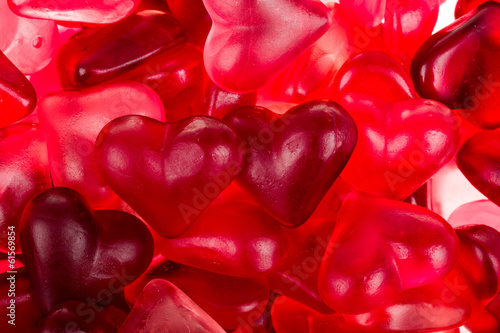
[(162, 307), (457, 66), (201, 155), (373, 256), (90, 255), (92, 11), (293, 159), (24, 173), (270, 35), (73, 119), (86, 58), (479, 161)]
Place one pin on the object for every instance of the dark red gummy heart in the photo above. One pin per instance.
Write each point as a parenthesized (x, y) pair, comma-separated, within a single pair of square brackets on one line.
[(458, 66), (292, 160), (168, 173), (381, 247), (479, 161), (74, 253)]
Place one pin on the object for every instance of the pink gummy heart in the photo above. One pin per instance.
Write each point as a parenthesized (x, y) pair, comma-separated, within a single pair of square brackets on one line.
[(72, 120), (477, 212), (457, 66), (168, 173), (93, 11), (29, 43), (380, 248), (162, 307), (74, 253), (24, 173), (479, 161), (234, 238), (400, 145), (292, 160), (252, 42)]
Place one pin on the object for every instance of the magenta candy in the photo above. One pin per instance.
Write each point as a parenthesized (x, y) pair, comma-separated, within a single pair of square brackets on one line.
[(163, 307), (74, 253), (270, 37), (93, 11), (292, 160)]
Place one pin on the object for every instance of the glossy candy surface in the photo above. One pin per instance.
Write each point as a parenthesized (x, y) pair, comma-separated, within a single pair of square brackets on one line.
[(162, 307), (457, 66), (92, 254), (372, 256), (73, 119), (270, 35), (292, 160), (93, 11), (168, 173)]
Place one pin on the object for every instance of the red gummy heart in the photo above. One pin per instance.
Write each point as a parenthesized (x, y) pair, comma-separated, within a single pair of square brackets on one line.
[(400, 145), (162, 307), (374, 74), (74, 253), (378, 251), (268, 37), (233, 238), (90, 11), (458, 66), (479, 161), (17, 95), (168, 173), (29, 43), (73, 119), (24, 173), (292, 160)]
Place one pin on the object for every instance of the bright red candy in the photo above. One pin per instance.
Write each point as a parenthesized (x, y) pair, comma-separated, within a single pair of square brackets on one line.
[(400, 145), (24, 173), (91, 11), (270, 35), (376, 74), (458, 66), (29, 43), (193, 17), (293, 159), (227, 299), (479, 161), (234, 238), (168, 173), (72, 120), (368, 13), (379, 251), (162, 307), (74, 253), (465, 6), (91, 56), (17, 95)]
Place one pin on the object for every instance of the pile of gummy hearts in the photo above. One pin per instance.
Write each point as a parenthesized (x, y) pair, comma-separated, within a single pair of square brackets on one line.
[(247, 166)]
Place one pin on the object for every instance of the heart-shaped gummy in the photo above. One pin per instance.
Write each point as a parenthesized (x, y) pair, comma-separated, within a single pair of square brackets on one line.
[(93, 11), (24, 173), (29, 43), (400, 145), (380, 248), (168, 173), (479, 161), (74, 253), (293, 159), (250, 43), (162, 307), (73, 119), (458, 66)]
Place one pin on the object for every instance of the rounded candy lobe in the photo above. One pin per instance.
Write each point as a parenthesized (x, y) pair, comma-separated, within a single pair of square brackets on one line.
[(268, 37), (476, 212), (232, 238), (378, 252), (74, 253), (168, 173), (293, 159)]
